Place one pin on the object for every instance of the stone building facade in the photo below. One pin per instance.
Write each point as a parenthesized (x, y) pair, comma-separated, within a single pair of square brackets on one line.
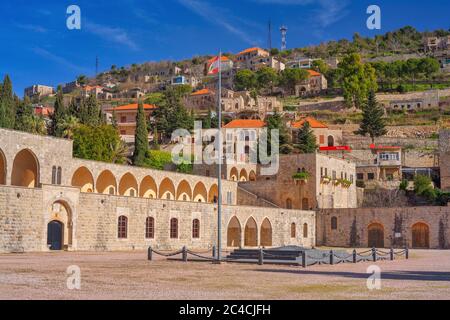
[(50, 200), (330, 183), (444, 158), (416, 227)]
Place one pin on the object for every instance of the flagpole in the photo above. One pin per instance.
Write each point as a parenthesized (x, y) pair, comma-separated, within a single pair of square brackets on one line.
[(219, 179)]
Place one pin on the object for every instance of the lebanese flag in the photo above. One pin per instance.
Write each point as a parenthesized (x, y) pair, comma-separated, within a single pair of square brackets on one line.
[(213, 65)]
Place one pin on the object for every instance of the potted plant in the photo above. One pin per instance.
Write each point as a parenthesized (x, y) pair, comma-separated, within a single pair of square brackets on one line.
[(326, 179), (345, 183), (301, 177)]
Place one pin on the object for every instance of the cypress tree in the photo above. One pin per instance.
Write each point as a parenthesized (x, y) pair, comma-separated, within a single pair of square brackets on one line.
[(306, 139), (7, 104), (59, 112), (140, 137), (207, 121), (372, 123), (93, 111), (114, 119), (23, 112)]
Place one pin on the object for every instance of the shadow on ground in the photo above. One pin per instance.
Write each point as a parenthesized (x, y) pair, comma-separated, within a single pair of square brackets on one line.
[(397, 275)]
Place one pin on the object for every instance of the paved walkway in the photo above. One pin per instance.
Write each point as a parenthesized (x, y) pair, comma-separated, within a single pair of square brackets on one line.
[(128, 275)]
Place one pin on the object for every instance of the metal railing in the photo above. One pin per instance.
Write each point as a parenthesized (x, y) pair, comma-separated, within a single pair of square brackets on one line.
[(305, 259)]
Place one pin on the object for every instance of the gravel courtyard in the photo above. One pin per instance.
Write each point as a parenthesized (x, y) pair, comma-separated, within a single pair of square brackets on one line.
[(128, 275)]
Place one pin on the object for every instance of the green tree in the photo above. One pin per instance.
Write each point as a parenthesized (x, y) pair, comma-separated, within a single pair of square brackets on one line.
[(372, 123), (59, 113), (306, 140), (291, 77), (23, 112), (96, 143), (320, 66), (7, 104), (275, 121), (357, 79), (140, 137), (245, 80), (266, 78), (67, 126), (157, 159), (35, 124)]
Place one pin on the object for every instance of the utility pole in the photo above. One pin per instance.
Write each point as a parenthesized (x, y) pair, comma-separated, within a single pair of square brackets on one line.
[(270, 36), (283, 30), (96, 66)]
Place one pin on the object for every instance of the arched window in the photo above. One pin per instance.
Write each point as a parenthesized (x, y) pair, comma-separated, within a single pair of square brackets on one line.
[(173, 228), (305, 230), (288, 203), (333, 223), (292, 230), (150, 228), (53, 175), (195, 228), (58, 175), (122, 227)]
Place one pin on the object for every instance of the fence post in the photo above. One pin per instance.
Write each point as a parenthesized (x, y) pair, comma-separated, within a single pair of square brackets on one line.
[(331, 257), (304, 264), (354, 255), (184, 254), (374, 254), (406, 252), (261, 257), (392, 253), (214, 251), (150, 254)]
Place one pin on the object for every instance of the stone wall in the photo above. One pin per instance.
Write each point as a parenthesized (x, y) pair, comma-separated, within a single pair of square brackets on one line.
[(90, 221), (397, 223)]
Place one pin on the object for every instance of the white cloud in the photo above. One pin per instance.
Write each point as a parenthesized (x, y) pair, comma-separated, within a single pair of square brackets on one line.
[(218, 16), (31, 27), (111, 34)]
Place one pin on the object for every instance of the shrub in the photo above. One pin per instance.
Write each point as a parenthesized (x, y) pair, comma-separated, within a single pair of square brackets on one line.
[(157, 159), (403, 185), (423, 187), (301, 175)]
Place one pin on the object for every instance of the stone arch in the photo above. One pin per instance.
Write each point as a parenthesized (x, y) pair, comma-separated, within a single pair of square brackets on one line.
[(330, 141), (25, 170), (251, 233), (83, 179), (234, 174), (167, 189), (375, 235), (243, 175), (2, 167), (106, 183), (234, 232), (252, 176), (420, 235), (60, 212), (128, 185), (213, 195), (266, 233), (148, 188), (184, 191), (200, 194)]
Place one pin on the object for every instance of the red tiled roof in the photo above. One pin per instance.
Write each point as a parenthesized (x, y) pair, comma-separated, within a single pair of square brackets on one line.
[(224, 58), (133, 106), (201, 92), (312, 122), (243, 123), (250, 50), (313, 73)]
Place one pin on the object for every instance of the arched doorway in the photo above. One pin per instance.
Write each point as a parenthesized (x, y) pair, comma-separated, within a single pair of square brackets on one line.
[(288, 203), (213, 195), (251, 233), (234, 174), (167, 190), (83, 179), (252, 176), (55, 235), (330, 141), (200, 193), (128, 186), (420, 235), (266, 233), (375, 233), (148, 188), (106, 183), (234, 233), (25, 171), (243, 175), (2, 168), (184, 192)]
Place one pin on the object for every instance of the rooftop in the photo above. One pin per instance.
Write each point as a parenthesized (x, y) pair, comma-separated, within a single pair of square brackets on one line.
[(201, 92), (243, 123), (250, 50), (312, 122), (313, 73), (133, 106)]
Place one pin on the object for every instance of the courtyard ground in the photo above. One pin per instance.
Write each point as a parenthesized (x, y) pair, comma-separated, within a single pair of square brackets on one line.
[(128, 275)]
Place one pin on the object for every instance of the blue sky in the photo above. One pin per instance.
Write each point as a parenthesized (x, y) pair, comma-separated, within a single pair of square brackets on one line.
[(37, 47)]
